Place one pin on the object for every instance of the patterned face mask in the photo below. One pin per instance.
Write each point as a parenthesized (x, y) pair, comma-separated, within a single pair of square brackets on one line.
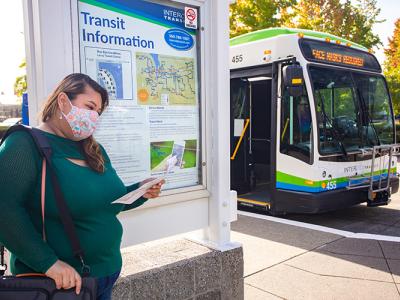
[(82, 121)]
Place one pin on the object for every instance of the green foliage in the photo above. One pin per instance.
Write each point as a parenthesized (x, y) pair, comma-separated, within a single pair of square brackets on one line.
[(365, 18), (352, 22), (393, 81), (251, 15), (392, 67), (343, 102), (189, 156), (342, 18), (20, 84), (159, 151)]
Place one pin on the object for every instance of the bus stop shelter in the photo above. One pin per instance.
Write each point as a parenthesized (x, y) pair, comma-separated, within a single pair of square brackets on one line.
[(166, 69)]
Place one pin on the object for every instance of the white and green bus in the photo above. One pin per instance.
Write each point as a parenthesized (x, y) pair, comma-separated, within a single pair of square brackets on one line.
[(312, 123)]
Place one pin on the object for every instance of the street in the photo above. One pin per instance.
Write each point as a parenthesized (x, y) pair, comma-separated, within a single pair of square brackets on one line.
[(383, 220), (285, 259)]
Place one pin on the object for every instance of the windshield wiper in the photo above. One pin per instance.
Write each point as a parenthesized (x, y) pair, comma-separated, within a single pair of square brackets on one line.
[(335, 132), (365, 110)]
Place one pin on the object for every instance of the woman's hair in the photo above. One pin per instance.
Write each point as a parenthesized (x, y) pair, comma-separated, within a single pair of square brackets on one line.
[(73, 85)]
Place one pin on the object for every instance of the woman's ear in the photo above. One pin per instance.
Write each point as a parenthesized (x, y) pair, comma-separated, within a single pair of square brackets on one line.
[(62, 100)]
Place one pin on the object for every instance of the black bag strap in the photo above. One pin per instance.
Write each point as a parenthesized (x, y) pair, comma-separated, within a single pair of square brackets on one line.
[(45, 150), (3, 265)]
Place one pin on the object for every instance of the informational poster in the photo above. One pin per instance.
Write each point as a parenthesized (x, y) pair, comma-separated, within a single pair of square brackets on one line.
[(146, 58)]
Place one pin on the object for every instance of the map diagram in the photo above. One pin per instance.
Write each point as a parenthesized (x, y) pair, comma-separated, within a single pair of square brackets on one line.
[(165, 80), (109, 75)]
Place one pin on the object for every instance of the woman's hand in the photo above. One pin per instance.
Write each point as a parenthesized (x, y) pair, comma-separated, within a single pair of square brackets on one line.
[(65, 276), (154, 191)]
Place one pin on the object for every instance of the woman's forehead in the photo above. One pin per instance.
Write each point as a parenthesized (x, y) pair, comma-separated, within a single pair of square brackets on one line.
[(90, 94)]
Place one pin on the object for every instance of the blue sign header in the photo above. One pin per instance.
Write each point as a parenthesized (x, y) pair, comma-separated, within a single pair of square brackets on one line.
[(167, 15)]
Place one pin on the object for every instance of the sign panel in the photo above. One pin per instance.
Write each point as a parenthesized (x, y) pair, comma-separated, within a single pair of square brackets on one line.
[(334, 54), (144, 56), (191, 17)]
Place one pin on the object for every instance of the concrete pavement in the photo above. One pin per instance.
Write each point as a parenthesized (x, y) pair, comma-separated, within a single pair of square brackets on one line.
[(383, 220), (289, 262)]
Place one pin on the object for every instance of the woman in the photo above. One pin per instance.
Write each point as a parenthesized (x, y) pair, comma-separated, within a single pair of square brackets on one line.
[(89, 184)]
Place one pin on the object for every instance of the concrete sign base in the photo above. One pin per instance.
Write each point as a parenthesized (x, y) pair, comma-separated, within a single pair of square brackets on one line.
[(180, 270)]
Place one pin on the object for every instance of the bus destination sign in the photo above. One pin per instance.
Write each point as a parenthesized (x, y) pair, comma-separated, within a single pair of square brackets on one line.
[(337, 58), (338, 55)]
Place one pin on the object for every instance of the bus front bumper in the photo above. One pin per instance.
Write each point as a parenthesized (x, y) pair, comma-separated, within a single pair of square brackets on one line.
[(287, 201)]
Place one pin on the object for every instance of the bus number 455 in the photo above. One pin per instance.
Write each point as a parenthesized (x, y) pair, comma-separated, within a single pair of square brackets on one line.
[(331, 185), (237, 59)]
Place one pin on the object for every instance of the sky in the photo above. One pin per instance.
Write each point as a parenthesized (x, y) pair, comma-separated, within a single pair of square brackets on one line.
[(12, 50), (390, 10)]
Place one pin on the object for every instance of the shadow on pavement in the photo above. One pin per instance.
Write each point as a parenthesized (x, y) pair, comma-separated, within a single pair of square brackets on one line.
[(267, 244), (384, 220)]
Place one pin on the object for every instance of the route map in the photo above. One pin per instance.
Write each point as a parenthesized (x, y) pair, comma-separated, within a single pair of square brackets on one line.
[(165, 80)]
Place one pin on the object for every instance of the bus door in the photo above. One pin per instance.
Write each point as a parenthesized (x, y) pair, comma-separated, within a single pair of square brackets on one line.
[(251, 137), (240, 134)]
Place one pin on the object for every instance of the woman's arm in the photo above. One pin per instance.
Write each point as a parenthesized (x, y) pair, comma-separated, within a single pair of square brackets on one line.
[(129, 188), (138, 202), (152, 192), (19, 171)]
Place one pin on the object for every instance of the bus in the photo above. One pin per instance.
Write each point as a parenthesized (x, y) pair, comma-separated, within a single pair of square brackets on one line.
[(312, 123)]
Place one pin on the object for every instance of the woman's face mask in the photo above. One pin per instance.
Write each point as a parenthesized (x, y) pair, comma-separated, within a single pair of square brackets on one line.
[(82, 121)]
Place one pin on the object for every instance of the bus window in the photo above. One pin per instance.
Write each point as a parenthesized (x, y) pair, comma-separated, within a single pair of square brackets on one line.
[(337, 110), (296, 127), (353, 110), (377, 106), (239, 101)]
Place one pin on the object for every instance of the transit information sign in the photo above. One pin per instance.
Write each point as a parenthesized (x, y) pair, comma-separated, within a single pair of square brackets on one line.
[(146, 58)]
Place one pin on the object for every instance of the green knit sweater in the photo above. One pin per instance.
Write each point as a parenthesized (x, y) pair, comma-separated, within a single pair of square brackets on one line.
[(88, 195)]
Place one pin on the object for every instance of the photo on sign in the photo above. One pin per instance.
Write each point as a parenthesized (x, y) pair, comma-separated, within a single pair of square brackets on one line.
[(184, 151), (109, 75), (177, 152), (190, 154), (112, 68), (165, 80)]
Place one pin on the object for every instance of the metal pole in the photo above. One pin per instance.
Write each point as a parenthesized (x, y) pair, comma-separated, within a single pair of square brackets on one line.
[(389, 166), (251, 119), (372, 168), (291, 121), (381, 167), (217, 234)]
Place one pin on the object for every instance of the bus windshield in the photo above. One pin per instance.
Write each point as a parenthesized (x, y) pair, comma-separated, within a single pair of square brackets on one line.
[(353, 110)]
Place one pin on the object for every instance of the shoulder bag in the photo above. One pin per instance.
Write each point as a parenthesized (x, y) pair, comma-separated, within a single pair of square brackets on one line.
[(39, 286)]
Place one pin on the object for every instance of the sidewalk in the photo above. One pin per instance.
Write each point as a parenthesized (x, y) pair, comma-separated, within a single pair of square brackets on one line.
[(289, 262)]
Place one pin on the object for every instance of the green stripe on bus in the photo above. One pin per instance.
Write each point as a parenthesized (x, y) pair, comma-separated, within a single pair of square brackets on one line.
[(273, 32), (300, 181)]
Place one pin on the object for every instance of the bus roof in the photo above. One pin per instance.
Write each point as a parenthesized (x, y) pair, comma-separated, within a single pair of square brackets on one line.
[(274, 32)]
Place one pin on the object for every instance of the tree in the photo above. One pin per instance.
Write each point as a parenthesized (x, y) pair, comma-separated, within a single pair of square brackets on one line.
[(338, 17), (392, 66), (251, 15), (366, 17), (20, 85), (353, 22)]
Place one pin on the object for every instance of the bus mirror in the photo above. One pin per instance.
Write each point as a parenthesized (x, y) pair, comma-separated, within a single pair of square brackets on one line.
[(293, 80)]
